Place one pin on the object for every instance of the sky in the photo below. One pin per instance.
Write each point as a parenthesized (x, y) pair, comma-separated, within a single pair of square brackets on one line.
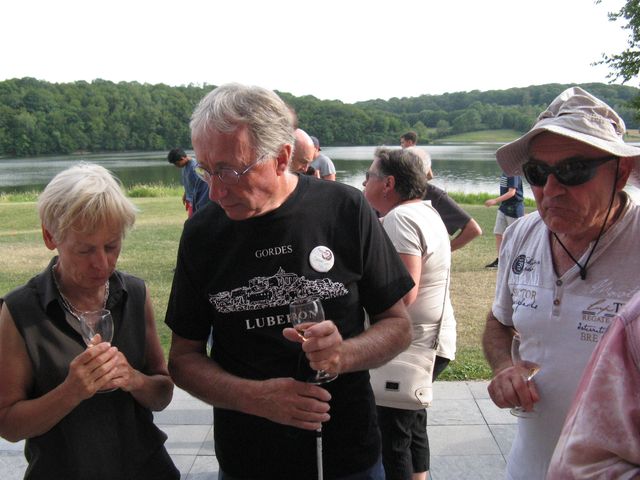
[(349, 50)]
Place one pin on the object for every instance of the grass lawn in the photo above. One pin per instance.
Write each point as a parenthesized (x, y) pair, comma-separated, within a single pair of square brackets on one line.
[(491, 136), (504, 136), (150, 251)]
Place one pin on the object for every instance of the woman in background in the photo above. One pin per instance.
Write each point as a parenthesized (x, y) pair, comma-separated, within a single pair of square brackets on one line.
[(54, 389), (395, 185)]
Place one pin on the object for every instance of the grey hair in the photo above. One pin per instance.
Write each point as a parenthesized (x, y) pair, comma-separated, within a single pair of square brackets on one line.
[(232, 105), (85, 198), (407, 169)]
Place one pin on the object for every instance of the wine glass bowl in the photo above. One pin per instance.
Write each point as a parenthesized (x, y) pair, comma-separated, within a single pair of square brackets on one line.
[(304, 312), (97, 322), (527, 370)]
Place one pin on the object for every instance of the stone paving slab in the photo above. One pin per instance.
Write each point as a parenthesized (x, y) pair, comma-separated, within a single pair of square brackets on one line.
[(467, 467), (469, 436), (454, 412)]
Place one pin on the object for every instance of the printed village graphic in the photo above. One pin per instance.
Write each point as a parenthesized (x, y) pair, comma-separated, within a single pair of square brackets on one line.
[(277, 290)]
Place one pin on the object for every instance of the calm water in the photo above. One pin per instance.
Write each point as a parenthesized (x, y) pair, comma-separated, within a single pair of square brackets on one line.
[(137, 167), (465, 168), (468, 168)]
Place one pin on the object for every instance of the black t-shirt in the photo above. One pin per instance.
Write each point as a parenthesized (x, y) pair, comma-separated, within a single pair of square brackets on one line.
[(453, 217), (239, 277)]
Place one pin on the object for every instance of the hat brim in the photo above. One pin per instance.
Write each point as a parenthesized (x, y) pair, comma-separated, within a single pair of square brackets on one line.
[(513, 155)]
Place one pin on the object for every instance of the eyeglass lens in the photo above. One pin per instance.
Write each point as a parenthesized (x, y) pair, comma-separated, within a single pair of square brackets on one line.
[(570, 173), (226, 175)]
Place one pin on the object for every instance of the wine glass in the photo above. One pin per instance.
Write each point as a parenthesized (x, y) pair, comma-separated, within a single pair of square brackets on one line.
[(97, 322), (304, 313), (527, 369)]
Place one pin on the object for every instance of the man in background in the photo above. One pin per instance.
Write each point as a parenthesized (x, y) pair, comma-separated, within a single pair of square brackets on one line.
[(196, 190), (322, 163), (409, 139), (303, 154), (453, 216), (511, 208)]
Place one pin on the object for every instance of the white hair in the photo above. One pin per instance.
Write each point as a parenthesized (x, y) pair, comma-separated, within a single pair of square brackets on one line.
[(230, 106), (84, 197), (423, 155)]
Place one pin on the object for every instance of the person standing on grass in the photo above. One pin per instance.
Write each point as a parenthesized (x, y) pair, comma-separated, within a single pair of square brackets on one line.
[(511, 208), (322, 163), (565, 270), (409, 139), (303, 153), (394, 185), (454, 217), (196, 191)]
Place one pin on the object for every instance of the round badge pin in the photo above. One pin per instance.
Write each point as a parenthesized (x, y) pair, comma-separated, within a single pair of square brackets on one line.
[(321, 259)]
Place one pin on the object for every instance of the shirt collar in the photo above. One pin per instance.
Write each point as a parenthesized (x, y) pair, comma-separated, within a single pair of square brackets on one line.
[(45, 284)]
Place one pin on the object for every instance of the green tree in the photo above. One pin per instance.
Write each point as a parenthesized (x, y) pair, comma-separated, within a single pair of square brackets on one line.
[(423, 133), (626, 64), (442, 128), (466, 122), (492, 118), (38, 117)]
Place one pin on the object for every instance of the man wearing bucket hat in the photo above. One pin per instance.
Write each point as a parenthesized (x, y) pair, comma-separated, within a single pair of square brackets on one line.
[(564, 271)]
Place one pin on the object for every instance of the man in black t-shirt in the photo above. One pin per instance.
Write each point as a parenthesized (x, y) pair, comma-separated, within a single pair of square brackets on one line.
[(453, 216), (242, 261)]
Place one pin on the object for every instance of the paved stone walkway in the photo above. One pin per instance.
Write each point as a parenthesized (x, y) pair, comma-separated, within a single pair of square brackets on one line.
[(469, 436)]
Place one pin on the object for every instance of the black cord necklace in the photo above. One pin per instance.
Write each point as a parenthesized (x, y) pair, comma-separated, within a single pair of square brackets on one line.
[(583, 268)]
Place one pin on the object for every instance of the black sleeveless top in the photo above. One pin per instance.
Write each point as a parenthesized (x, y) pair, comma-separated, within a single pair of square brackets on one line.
[(109, 436)]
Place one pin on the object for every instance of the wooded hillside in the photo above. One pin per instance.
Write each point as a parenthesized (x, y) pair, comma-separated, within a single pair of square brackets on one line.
[(38, 117)]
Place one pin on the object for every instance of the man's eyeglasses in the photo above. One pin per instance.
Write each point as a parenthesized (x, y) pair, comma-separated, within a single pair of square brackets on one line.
[(227, 175), (369, 174), (570, 172)]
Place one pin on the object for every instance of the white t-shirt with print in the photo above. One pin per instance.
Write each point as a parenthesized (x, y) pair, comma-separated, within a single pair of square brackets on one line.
[(560, 320)]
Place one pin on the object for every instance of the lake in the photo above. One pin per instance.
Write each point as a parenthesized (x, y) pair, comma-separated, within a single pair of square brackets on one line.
[(467, 168), (464, 168)]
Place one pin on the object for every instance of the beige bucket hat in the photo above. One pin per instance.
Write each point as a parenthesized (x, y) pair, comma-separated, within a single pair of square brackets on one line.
[(577, 114)]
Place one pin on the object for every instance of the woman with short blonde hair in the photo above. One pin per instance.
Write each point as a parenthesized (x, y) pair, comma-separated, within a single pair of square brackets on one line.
[(85, 196), (85, 412)]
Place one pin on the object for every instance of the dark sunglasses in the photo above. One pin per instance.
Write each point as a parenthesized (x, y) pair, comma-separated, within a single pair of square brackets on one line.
[(570, 172)]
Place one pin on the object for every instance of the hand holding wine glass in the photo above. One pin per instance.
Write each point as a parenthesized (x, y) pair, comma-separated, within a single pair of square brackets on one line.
[(96, 327), (96, 323), (304, 313), (526, 368)]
